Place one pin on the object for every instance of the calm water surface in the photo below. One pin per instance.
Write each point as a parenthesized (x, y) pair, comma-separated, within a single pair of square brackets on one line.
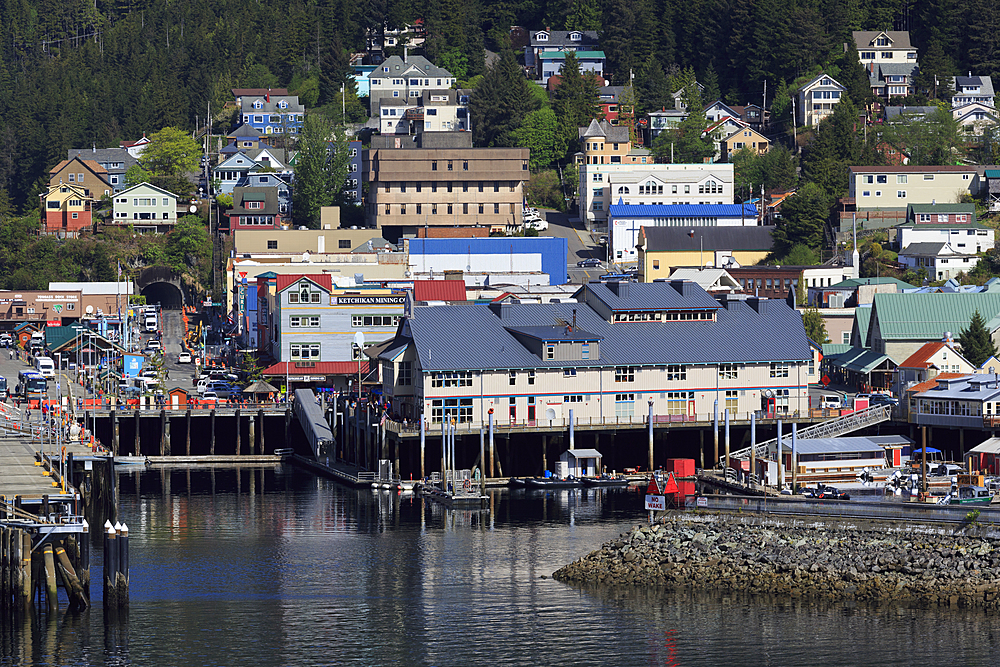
[(272, 566)]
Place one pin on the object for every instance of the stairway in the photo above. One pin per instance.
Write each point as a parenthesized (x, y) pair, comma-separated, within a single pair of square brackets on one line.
[(832, 428)]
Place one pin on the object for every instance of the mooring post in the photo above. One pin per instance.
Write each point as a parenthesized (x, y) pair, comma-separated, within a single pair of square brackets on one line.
[(753, 446), (187, 438), (572, 435), (84, 546), (715, 433), (444, 453), (166, 436), (492, 450), (238, 448), (252, 436), (727, 437), (649, 421), (288, 426), (211, 442), (26, 583), (136, 450), (781, 460), (262, 449), (482, 460), (545, 461), (121, 579), (163, 432), (114, 432), (795, 456), (110, 567), (423, 443), (51, 585), (701, 448)]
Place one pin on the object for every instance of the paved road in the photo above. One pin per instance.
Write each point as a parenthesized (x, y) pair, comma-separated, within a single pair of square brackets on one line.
[(580, 245)]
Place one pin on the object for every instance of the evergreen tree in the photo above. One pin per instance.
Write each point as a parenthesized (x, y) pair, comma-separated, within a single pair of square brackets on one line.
[(977, 344), (803, 216), (321, 170), (334, 72), (618, 22), (711, 82), (584, 15), (500, 102), (931, 139), (983, 37), (853, 76), (543, 134), (689, 143), (575, 101), (653, 87), (815, 326)]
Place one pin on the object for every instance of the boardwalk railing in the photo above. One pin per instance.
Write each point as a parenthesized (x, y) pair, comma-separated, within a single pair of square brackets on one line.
[(828, 429)]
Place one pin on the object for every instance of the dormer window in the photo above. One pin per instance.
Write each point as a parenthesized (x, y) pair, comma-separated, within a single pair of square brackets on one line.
[(882, 41), (825, 82), (258, 105), (542, 37), (575, 37), (283, 104)]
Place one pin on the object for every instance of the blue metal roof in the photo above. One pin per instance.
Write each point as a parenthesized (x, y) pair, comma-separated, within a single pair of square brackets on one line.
[(681, 211), (477, 337), (673, 295)]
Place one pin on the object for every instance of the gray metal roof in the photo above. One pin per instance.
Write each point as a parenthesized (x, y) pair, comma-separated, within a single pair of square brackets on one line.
[(968, 388), (677, 239), (842, 445), (673, 295), (924, 249), (104, 157), (476, 336), (584, 453), (554, 332), (414, 65)]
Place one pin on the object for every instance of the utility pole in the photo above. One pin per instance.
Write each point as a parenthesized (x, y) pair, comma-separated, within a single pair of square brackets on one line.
[(795, 141)]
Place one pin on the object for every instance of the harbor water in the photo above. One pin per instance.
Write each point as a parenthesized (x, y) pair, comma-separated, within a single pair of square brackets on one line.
[(273, 566)]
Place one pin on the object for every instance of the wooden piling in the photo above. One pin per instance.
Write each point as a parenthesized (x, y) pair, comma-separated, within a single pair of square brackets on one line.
[(163, 432), (122, 575), (187, 443), (253, 433), (110, 567), (238, 443), (72, 582), (114, 432), (262, 449), (51, 585), (84, 569), (136, 418), (5, 591), (288, 426), (211, 445), (27, 585)]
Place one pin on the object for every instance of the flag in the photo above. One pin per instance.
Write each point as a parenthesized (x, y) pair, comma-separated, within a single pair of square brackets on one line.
[(382, 422)]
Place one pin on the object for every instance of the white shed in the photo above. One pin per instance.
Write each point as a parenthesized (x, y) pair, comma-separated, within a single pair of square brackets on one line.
[(579, 463)]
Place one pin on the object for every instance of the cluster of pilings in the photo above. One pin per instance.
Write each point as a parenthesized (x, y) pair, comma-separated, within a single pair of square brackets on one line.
[(115, 566), (32, 576)]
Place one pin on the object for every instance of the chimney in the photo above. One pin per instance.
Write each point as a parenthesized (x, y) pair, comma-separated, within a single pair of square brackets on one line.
[(267, 97), (574, 319), (405, 52)]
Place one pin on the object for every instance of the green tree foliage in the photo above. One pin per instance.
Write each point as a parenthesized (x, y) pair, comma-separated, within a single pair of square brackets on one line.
[(500, 103), (334, 72), (815, 326), (543, 189), (689, 143), (775, 170), (977, 344), (135, 175), (929, 140), (575, 100), (982, 37), (799, 255), (542, 133), (803, 216), (653, 87), (839, 144), (169, 157), (189, 249), (321, 170), (853, 76)]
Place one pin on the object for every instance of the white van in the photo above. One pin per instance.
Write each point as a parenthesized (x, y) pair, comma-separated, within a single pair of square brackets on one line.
[(45, 366), (830, 402), (150, 323)]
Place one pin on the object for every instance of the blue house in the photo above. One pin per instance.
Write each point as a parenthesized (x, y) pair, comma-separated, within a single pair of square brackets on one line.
[(272, 114)]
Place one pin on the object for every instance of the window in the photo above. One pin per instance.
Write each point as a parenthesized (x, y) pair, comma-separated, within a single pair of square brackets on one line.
[(512, 378), (496, 209), (450, 166), (304, 351), (677, 402), (779, 370), (676, 373), (729, 371), (901, 194), (465, 165), (550, 351), (732, 401), (374, 320), (531, 377), (624, 374), (304, 322), (928, 177), (434, 165), (881, 178), (569, 372), (942, 217), (585, 351), (452, 379), (576, 398), (624, 405), (900, 179), (465, 209)]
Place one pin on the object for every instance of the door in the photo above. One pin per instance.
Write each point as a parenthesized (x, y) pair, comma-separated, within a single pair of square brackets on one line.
[(531, 409), (513, 409)]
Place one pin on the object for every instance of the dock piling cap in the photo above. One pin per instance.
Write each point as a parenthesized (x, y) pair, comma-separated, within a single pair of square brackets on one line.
[(124, 530), (118, 527), (86, 526), (111, 530), (107, 524)]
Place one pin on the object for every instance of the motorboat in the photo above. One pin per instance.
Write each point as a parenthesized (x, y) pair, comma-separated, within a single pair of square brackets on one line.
[(606, 481), (553, 483)]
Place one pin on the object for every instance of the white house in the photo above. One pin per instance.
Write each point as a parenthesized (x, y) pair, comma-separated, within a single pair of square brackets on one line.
[(815, 100), (941, 260)]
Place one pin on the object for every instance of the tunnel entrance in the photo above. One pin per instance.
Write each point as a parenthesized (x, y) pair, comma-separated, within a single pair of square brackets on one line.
[(167, 295)]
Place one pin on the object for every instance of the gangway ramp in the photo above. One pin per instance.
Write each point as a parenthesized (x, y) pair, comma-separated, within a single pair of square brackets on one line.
[(832, 428), (310, 416)]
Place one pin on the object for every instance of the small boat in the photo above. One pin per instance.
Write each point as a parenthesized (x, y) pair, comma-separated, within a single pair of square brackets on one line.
[(606, 481), (553, 483), (971, 495), (515, 483), (131, 461)]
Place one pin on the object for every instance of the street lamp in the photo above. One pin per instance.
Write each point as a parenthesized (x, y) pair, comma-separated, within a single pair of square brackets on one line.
[(701, 245)]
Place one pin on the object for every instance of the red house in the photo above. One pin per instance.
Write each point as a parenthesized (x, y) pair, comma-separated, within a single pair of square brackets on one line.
[(66, 209)]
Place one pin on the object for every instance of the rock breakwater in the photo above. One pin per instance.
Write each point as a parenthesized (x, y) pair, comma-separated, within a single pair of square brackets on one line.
[(724, 553)]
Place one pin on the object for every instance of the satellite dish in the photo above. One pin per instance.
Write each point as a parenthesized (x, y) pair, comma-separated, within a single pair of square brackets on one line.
[(192, 208), (768, 393), (359, 339), (90, 310)]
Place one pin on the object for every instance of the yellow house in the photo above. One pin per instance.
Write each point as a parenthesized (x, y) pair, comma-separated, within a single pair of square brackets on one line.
[(604, 143), (744, 138), (662, 249)]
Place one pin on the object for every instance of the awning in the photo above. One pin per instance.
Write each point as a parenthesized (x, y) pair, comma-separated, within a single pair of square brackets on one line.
[(861, 360), (584, 453), (991, 446)]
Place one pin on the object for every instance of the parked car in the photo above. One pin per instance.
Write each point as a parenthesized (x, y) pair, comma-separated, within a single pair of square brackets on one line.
[(830, 402), (883, 399), (831, 493), (184, 358), (590, 261), (153, 343), (6, 339)]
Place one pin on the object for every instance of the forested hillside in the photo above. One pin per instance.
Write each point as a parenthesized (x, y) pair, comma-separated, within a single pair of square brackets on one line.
[(75, 73)]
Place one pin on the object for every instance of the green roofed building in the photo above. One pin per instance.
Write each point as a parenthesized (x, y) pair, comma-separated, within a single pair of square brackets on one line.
[(954, 224), (901, 323)]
